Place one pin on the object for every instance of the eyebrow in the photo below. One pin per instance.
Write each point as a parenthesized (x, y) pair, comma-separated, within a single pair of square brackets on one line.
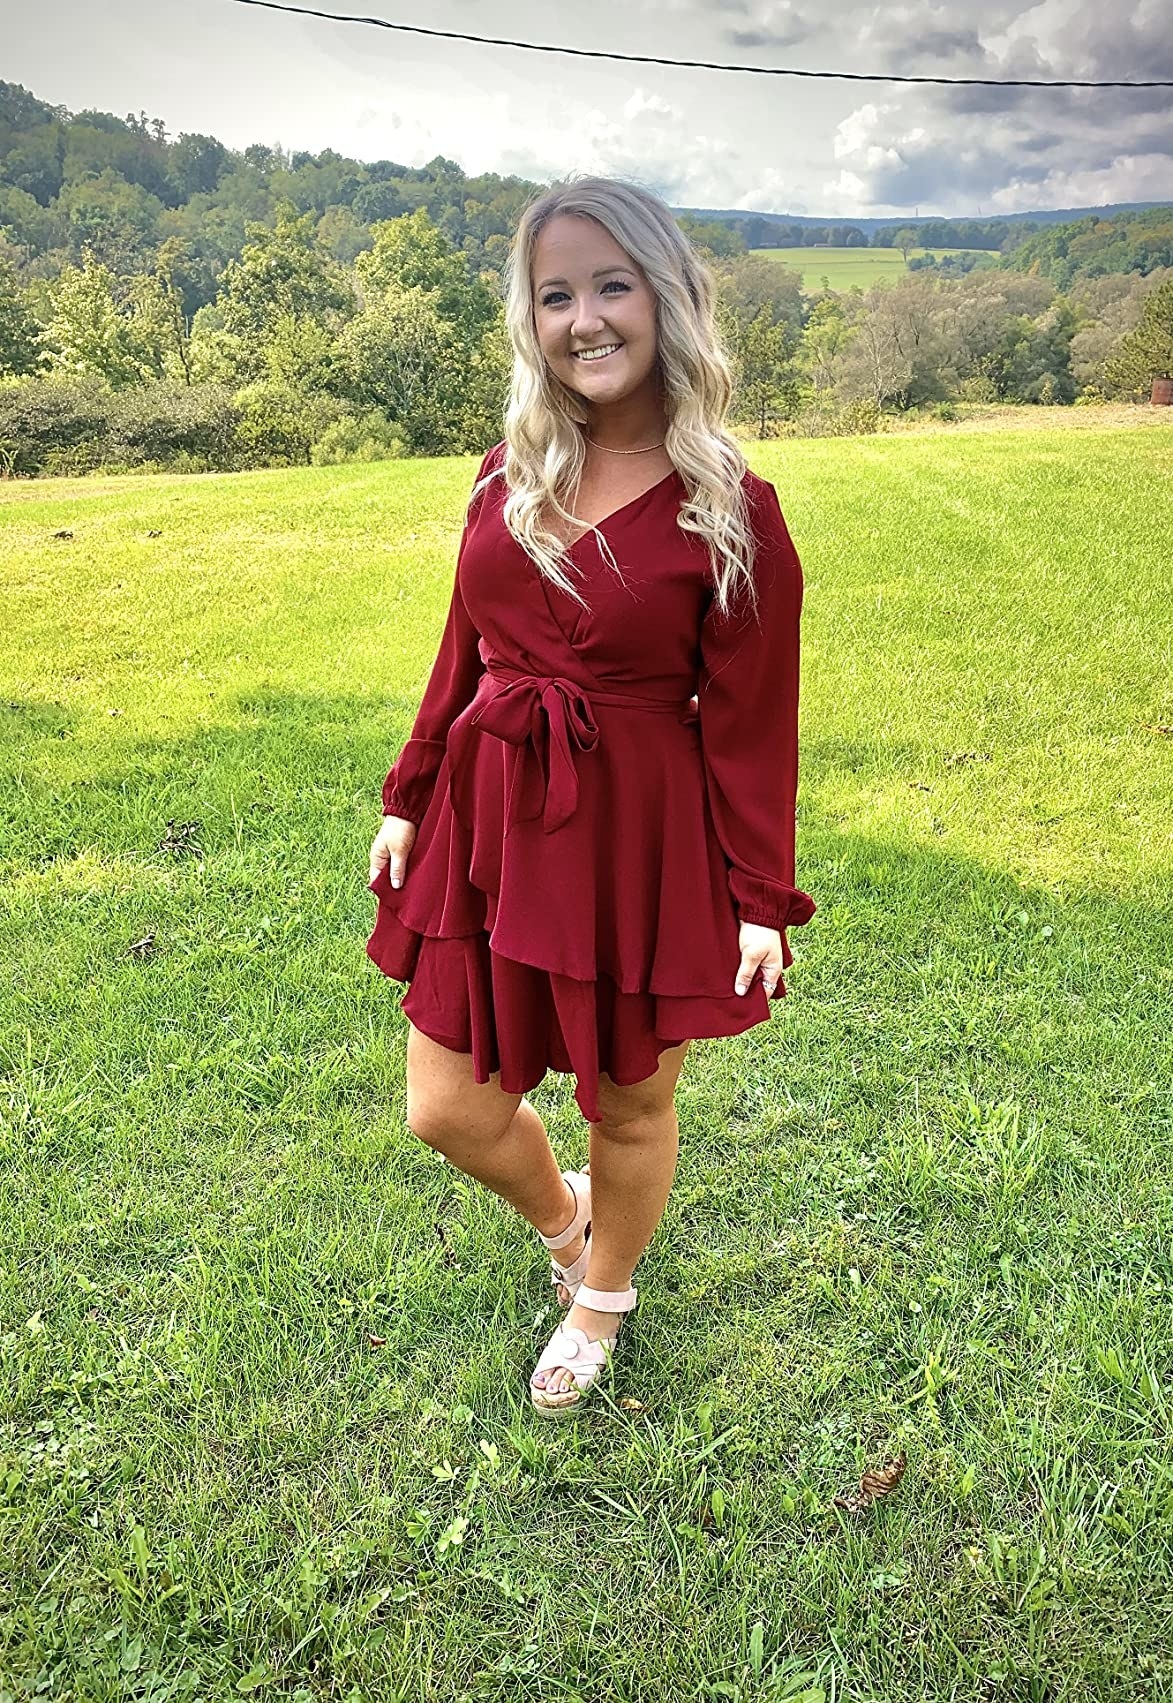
[(596, 274)]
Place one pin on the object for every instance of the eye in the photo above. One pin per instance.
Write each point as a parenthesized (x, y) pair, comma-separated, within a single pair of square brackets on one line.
[(552, 295)]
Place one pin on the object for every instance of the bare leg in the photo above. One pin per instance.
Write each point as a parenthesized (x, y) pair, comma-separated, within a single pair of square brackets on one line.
[(633, 1162), (496, 1137)]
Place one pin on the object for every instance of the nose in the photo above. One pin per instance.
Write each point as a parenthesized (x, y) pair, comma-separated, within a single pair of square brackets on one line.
[(587, 320)]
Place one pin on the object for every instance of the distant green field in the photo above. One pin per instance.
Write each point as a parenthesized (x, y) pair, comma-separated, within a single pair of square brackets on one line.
[(844, 267), (263, 1421)]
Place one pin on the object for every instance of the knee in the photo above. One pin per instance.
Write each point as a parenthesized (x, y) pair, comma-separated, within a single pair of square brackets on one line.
[(633, 1113), (455, 1123), (429, 1120)]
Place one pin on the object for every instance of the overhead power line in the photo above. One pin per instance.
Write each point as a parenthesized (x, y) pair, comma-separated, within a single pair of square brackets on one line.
[(703, 64)]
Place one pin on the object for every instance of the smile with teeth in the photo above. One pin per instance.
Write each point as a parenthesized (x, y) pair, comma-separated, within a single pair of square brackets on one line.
[(599, 354)]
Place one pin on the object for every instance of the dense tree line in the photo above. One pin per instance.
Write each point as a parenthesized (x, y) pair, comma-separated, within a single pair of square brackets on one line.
[(174, 304), (121, 188)]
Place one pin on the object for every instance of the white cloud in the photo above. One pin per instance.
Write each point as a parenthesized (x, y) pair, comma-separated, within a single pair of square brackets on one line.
[(702, 137)]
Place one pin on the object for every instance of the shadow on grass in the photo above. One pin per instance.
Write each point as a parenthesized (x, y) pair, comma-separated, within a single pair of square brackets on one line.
[(283, 797)]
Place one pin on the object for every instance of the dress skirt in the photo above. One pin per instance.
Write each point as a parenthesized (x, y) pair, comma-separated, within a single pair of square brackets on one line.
[(602, 797), (587, 948)]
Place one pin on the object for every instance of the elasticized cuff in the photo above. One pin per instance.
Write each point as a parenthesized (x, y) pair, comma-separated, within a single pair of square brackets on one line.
[(397, 803), (769, 904)]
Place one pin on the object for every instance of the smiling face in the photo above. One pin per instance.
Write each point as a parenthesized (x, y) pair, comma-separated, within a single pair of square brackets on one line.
[(590, 295)]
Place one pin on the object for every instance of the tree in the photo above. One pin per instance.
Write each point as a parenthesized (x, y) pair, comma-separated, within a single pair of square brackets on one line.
[(87, 333), (766, 383), (825, 336), (1147, 352), (114, 219), (1031, 359), (283, 277), (18, 328), (873, 365), (428, 347), (911, 305), (402, 356), (197, 163), (409, 253), (158, 330), (749, 282)]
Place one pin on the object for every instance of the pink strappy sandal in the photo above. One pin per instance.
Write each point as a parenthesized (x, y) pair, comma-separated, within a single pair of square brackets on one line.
[(570, 1347), (572, 1275)]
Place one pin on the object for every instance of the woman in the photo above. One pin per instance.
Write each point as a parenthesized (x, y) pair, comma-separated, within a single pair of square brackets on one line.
[(583, 865)]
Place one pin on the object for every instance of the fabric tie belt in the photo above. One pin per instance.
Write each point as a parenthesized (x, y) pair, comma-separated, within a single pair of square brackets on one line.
[(549, 717)]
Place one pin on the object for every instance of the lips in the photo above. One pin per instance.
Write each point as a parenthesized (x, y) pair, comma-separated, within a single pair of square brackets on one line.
[(592, 359)]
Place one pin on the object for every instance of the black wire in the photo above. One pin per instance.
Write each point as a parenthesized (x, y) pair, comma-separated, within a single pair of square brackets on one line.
[(701, 64)]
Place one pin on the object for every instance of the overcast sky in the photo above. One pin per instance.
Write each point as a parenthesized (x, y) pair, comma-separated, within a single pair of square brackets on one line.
[(700, 138)]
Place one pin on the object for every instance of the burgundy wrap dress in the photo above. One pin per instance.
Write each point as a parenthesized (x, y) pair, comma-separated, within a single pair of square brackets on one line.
[(590, 834)]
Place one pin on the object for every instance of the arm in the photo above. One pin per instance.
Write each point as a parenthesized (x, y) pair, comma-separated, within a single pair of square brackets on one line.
[(747, 704), (451, 687)]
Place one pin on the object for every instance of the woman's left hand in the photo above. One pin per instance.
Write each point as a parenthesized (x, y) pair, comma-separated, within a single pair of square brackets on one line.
[(759, 946)]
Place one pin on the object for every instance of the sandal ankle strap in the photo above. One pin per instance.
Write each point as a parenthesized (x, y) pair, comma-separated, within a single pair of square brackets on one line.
[(581, 1213), (606, 1300)]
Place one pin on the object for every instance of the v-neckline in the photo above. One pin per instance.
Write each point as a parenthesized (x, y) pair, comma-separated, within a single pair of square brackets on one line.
[(622, 509)]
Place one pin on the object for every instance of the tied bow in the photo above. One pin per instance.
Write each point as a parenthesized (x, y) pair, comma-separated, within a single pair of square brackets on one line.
[(553, 717)]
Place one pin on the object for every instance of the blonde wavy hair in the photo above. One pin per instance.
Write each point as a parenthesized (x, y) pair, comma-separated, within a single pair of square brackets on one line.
[(544, 453)]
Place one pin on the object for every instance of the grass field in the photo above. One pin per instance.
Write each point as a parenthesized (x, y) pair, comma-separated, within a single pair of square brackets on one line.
[(263, 1425), (844, 267)]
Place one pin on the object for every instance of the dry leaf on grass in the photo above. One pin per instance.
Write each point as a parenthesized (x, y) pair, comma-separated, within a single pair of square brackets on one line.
[(872, 1486)]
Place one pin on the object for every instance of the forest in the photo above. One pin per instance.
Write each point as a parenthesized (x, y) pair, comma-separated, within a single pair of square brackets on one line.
[(171, 303)]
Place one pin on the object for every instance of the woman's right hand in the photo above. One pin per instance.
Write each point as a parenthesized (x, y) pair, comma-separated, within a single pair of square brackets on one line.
[(391, 849)]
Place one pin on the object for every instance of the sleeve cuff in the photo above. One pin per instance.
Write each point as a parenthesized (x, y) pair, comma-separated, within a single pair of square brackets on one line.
[(769, 904), (397, 803)]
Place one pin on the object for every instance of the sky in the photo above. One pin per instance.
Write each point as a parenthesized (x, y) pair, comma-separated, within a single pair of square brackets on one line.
[(699, 138)]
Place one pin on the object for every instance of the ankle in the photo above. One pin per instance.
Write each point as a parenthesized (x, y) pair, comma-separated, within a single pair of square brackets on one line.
[(595, 1312), (620, 1286), (562, 1217)]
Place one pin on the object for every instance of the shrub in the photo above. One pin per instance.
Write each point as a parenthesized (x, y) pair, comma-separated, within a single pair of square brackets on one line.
[(368, 436), (277, 426), (162, 421), (54, 423), (823, 417)]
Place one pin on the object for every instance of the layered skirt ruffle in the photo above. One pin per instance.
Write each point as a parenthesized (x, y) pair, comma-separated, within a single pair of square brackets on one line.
[(590, 949)]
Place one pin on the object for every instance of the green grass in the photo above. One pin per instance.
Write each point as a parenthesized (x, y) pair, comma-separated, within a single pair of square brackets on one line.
[(927, 1208), (844, 267)]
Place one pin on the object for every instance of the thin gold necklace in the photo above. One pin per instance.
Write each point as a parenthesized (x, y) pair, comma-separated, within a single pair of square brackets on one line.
[(610, 451)]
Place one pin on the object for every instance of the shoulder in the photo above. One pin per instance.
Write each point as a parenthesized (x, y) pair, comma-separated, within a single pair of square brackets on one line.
[(760, 495), (493, 459), (776, 566), (765, 512), (484, 482)]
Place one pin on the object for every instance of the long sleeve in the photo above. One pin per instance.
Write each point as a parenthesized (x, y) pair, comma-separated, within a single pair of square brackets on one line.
[(747, 705), (451, 687)]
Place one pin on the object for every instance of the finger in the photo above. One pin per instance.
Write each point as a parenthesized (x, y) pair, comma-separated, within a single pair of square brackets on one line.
[(745, 973)]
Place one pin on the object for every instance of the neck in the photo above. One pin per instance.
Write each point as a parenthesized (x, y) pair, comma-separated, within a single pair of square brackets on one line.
[(634, 422)]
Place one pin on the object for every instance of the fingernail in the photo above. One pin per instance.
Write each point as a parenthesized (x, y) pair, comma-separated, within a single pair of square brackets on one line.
[(740, 988), (395, 882)]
